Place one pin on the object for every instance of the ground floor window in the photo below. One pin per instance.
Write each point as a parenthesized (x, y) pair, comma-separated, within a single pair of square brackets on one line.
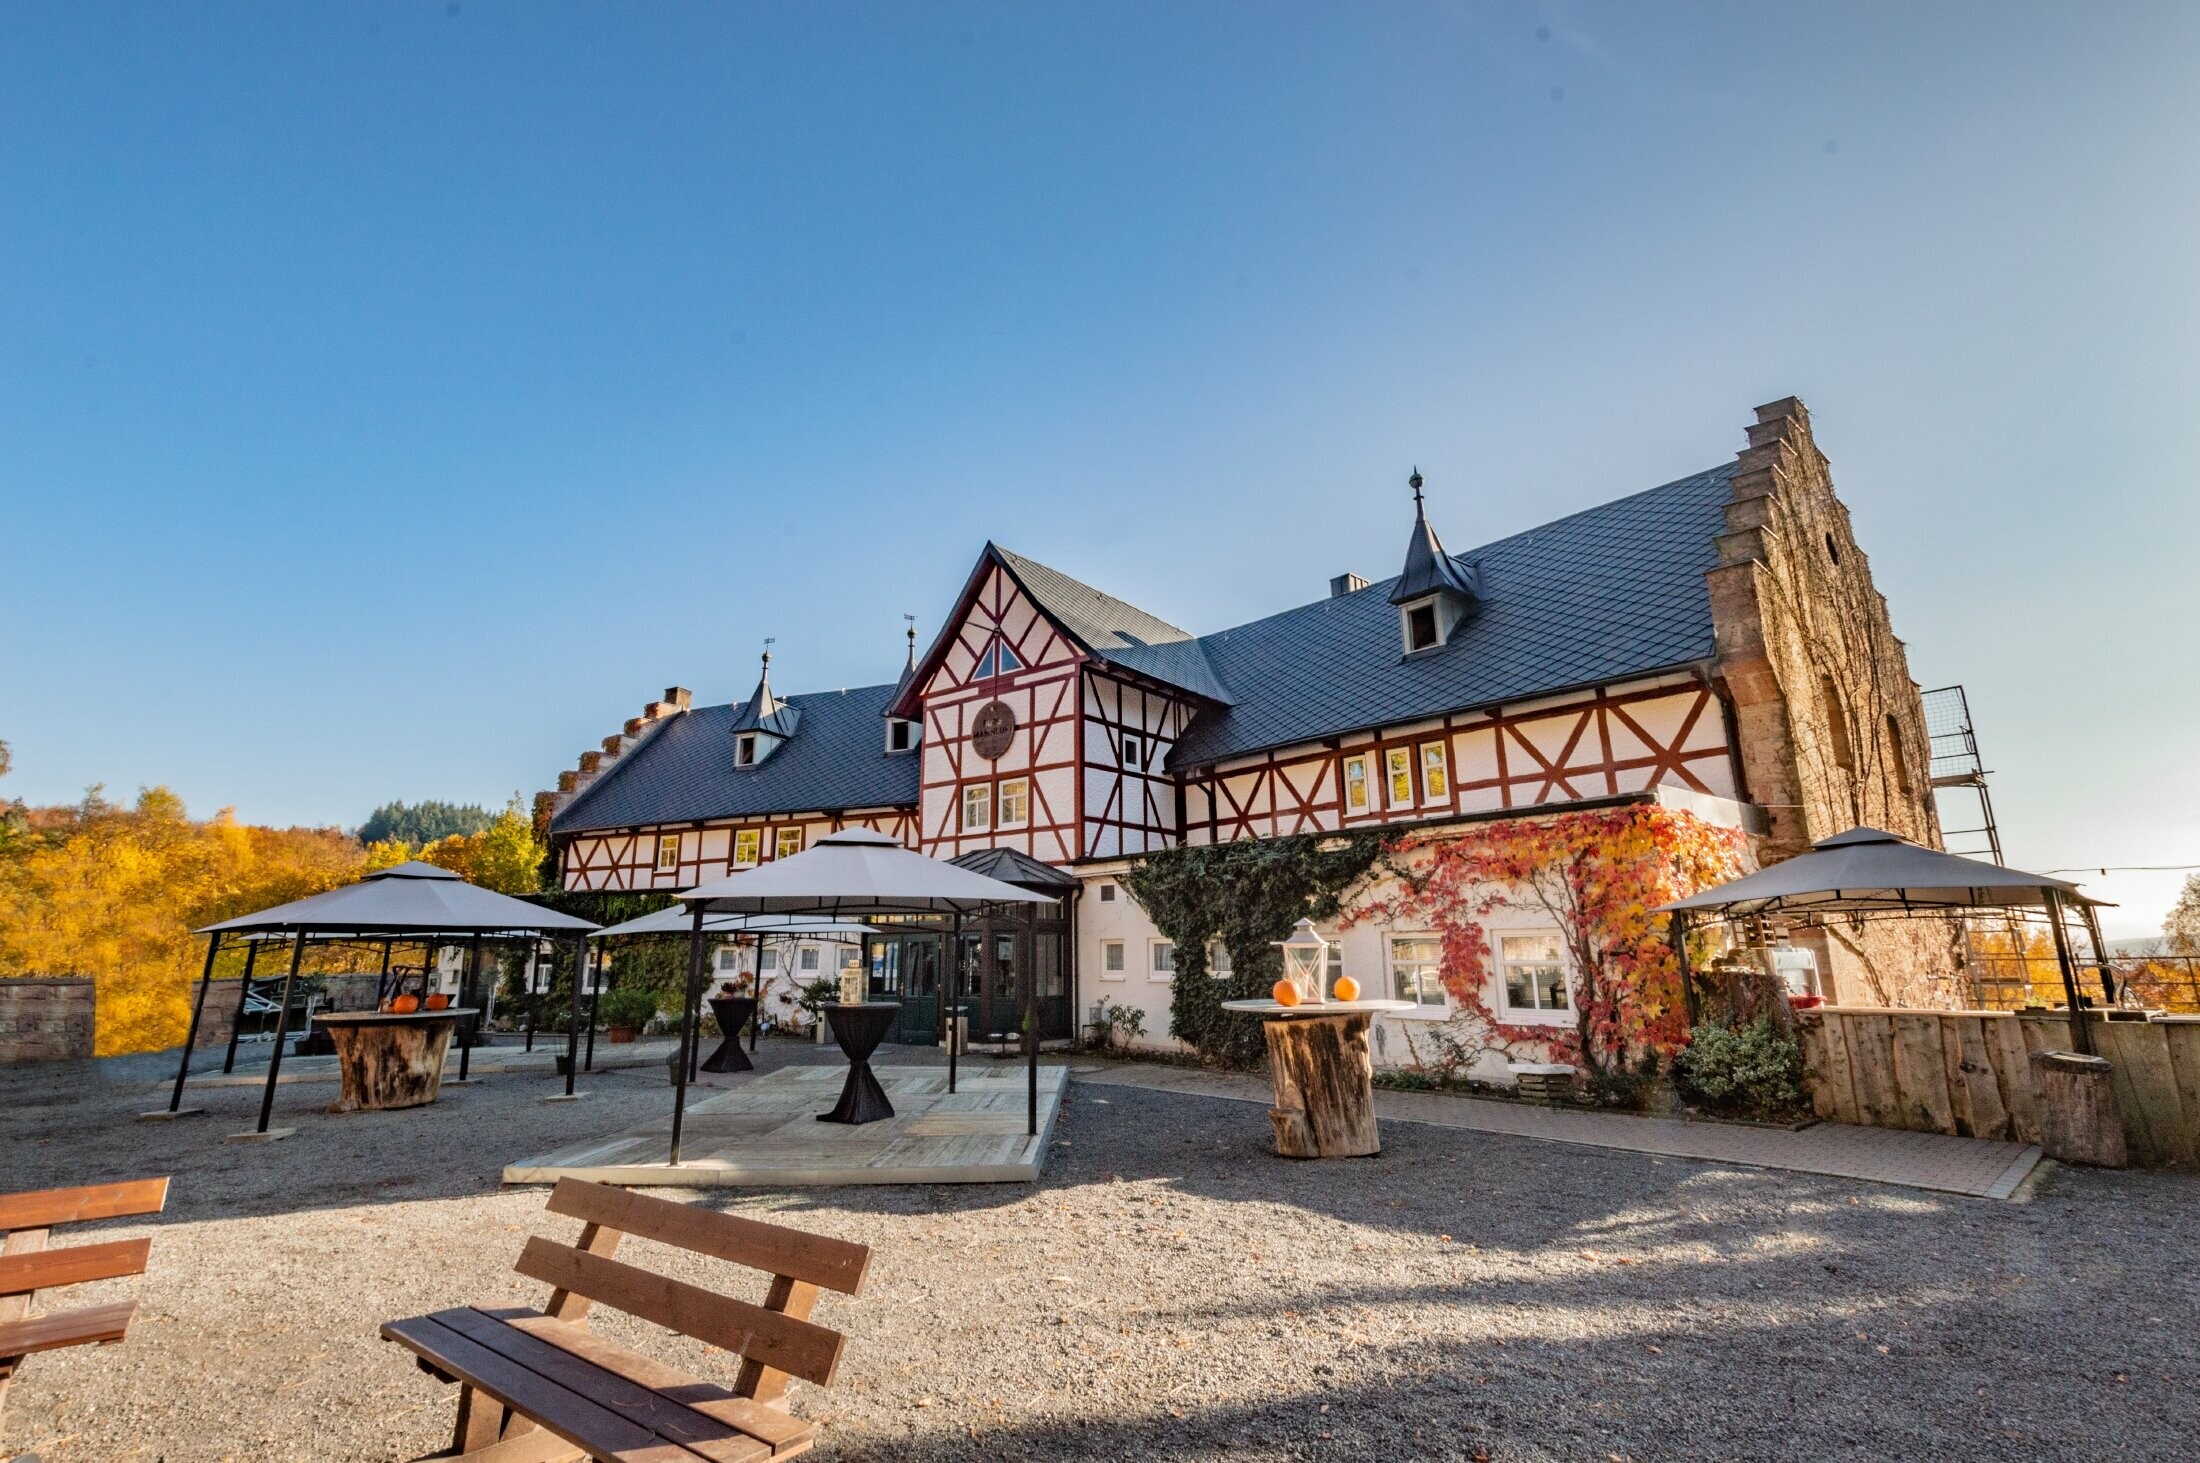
[(1218, 960), (1164, 960), (1416, 970), (1533, 968), (1111, 958)]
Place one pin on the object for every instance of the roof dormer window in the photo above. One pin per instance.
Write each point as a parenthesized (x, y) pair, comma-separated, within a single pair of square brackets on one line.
[(744, 750), (901, 735), (1436, 591), (1421, 632)]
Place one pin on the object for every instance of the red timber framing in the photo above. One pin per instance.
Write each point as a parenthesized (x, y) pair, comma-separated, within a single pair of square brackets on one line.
[(625, 859), (1601, 743), (1129, 800), (1040, 756)]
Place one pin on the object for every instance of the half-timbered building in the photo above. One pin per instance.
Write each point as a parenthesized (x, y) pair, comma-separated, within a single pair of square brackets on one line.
[(1714, 644)]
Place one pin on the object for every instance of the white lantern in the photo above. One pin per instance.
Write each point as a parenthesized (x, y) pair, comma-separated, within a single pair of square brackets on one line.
[(1306, 961)]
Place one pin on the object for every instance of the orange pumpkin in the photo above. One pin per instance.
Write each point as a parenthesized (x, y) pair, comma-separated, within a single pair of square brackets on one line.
[(1346, 988), (1286, 993), (438, 1001), (405, 1005)]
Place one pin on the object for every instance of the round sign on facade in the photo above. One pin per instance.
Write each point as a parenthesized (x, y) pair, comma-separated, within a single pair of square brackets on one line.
[(994, 729)]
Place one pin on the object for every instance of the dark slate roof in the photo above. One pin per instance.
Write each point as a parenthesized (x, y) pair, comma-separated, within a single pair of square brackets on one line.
[(1610, 592), (684, 771), (1116, 631)]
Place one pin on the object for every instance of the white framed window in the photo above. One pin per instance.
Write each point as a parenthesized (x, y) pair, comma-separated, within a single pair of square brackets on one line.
[(901, 736), (809, 958), (1111, 959), (1531, 973), (1435, 773), (850, 957), (1398, 776), (1015, 802), (787, 842), (1355, 785), (729, 960), (1416, 970), (744, 750), (668, 851), (1218, 960), (1134, 752), (1161, 961), (748, 846), (1107, 894), (977, 808), (767, 960)]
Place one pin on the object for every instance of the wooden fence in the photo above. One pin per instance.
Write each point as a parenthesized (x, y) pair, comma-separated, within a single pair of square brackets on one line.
[(1969, 1073)]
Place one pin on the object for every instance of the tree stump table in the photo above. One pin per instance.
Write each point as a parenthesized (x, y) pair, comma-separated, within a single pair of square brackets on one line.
[(390, 1059), (1325, 1091)]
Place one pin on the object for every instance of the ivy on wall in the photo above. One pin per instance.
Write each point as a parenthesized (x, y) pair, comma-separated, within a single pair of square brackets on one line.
[(1597, 876), (1248, 895)]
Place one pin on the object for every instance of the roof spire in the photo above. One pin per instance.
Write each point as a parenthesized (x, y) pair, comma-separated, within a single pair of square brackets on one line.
[(1429, 570), (912, 665)]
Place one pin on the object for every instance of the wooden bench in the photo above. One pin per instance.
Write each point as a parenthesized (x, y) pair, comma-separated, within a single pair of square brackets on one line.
[(27, 1267), (539, 1387)]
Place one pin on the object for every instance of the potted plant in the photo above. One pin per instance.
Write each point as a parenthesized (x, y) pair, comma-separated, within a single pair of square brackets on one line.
[(626, 1011)]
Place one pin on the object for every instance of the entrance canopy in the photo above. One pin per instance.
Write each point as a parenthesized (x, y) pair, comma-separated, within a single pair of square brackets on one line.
[(857, 872), (410, 899), (1866, 870)]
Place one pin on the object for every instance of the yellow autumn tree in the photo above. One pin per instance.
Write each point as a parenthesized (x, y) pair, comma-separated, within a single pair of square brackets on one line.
[(113, 893)]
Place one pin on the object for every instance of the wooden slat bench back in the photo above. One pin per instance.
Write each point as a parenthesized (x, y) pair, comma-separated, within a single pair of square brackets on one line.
[(28, 1265), (49, 1207), (526, 1371)]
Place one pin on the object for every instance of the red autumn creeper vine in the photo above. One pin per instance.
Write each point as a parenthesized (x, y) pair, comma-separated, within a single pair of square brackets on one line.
[(1598, 876)]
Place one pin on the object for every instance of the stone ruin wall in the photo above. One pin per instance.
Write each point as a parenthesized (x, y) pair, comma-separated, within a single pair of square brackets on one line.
[(1830, 725)]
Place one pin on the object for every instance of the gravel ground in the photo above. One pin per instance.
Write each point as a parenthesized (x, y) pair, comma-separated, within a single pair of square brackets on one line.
[(1171, 1290)]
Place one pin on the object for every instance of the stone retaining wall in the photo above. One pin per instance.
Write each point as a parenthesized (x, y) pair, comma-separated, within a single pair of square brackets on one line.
[(343, 993), (46, 1019)]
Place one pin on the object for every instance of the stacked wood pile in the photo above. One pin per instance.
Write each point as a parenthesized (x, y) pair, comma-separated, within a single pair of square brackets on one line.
[(1970, 1073)]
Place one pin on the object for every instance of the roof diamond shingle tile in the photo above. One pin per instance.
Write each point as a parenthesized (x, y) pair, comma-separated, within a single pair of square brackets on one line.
[(837, 758)]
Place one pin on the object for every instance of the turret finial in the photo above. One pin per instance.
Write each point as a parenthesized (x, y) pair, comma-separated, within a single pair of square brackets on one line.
[(769, 640), (912, 619), (1414, 483)]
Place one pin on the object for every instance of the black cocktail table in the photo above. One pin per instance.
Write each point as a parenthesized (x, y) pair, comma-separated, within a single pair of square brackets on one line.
[(858, 1030), (733, 1013)]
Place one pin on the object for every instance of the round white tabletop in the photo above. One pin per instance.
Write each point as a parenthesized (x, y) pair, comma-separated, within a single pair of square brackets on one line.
[(1276, 1010)]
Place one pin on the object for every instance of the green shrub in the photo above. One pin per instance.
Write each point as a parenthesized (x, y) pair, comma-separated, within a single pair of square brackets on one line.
[(626, 1006), (1755, 1070)]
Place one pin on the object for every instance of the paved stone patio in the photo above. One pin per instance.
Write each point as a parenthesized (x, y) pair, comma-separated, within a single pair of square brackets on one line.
[(1970, 1166)]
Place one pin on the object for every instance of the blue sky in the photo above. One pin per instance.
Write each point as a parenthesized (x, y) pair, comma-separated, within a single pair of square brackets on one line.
[(393, 398)]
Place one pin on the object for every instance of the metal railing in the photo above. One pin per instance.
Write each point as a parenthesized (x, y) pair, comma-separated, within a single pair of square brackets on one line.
[(2011, 982)]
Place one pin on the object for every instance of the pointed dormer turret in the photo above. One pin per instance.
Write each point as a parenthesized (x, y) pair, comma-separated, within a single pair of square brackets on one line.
[(1436, 591), (902, 734), (764, 723)]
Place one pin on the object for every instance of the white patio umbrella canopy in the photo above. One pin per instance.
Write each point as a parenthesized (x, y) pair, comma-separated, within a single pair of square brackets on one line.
[(1867, 869), (858, 872), (411, 897)]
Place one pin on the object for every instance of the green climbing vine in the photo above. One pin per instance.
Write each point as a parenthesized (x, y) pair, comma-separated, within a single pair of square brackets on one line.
[(1248, 895)]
